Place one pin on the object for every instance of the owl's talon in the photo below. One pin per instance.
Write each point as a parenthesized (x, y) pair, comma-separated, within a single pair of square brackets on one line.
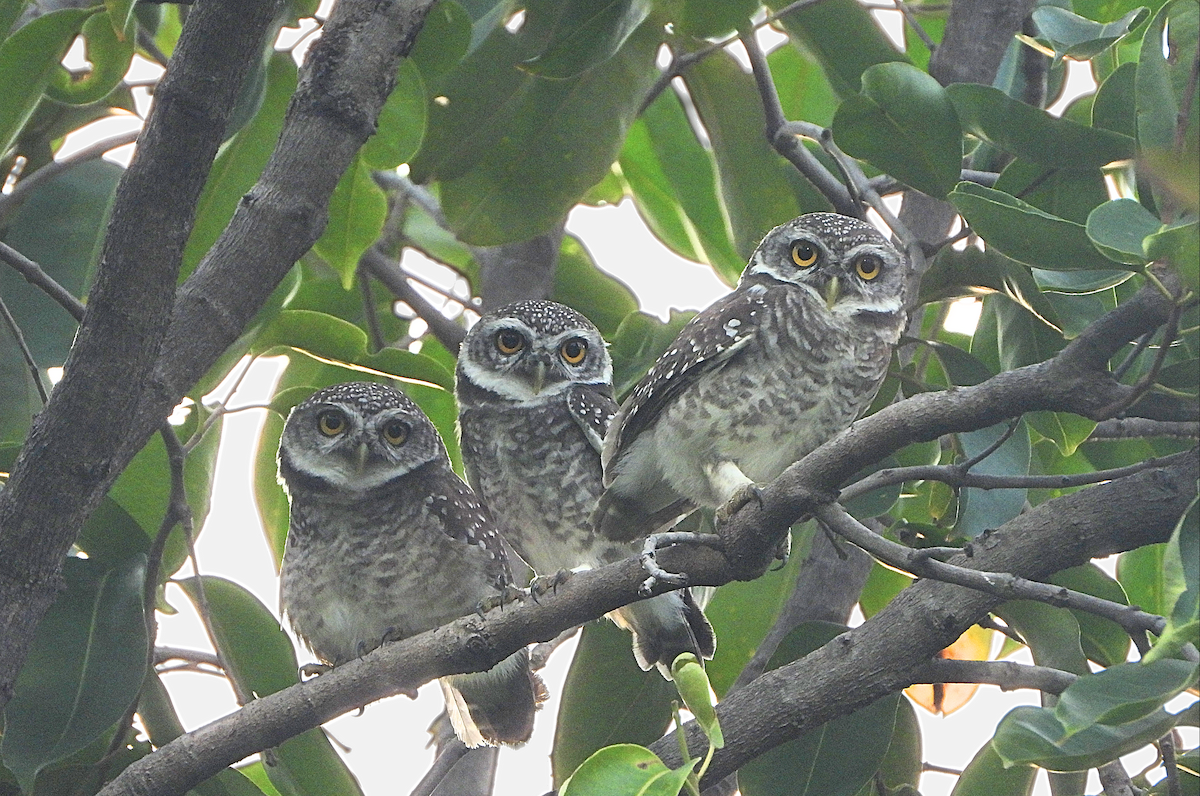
[(314, 670), (739, 499), (544, 584)]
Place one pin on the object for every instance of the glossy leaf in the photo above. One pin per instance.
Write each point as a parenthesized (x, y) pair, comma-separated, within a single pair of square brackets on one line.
[(673, 182), (357, 211), (844, 37), (625, 769), (1117, 229), (1181, 586), (1033, 134), (987, 775), (1065, 430), (1140, 573), (1025, 233), (513, 151), (979, 509), (1113, 108), (1122, 693), (607, 700), (587, 33), (713, 18), (694, 689), (835, 758), (28, 59), (401, 123), (1078, 37), (84, 669), (443, 40), (108, 51), (755, 182), (904, 124), (579, 283), (1160, 82), (1033, 735), (1179, 245)]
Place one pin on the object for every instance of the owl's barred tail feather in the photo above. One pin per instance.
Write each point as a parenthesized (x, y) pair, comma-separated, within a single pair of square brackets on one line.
[(664, 627), (497, 706)]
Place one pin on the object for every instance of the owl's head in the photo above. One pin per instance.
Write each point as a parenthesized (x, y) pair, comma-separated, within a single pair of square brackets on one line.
[(531, 351), (357, 436), (844, 263)]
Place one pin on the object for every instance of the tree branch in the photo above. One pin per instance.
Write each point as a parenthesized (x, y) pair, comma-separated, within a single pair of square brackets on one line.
[(70, 458), (1008, 675)]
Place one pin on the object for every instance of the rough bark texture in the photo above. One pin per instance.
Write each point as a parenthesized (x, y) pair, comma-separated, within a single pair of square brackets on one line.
[(129, 366)]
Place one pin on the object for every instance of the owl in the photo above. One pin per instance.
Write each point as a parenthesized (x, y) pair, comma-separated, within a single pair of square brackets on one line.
[(534, 389), (760, 378), (386, 542)]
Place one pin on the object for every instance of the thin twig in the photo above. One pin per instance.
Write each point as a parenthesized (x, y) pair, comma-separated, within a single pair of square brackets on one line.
[(37, 277), (26, 354), (221, 409), (57, 167), (1170, 330), (954, 475), (785, 143), (1140, 346), (990, 449), (387, 271), (1008, 675), (1000, 584), (374, 332), (911, 19)]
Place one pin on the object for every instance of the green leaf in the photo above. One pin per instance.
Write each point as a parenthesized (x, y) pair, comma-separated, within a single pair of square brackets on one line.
[(835, 759), (1067, 431), (1122, 693), (401, 123), (1031, 133), (262, 661), (1078, 37), (709, 19), (979, 509), (903, 123), (269, 497), (1114, 108), (83, 671), (1181, 586), (755, 182), (627, 770), (443, 40), (673, 183), (578, 283), (1117, 229), (240, 162), (606, 699), (695, 691), (331, 338), (513, 151), (1025, 233), (1051, 633), (1179, 245), (1029, 735), (587, 33), (357, 211), (1140, 573), (28, 59), (804, 91), (639, 342), (987, 775), (108, 51), (955, 273), (742, 613), (844, 37), (1161, 82), (120, 14)]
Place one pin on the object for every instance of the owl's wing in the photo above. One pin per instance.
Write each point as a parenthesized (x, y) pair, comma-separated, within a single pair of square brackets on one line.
[(705, 344), (464, 518), (593, 408)]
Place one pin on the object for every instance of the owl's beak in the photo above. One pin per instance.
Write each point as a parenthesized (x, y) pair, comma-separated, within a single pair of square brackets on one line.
[(539, 378), (832, 290), (360, 457)]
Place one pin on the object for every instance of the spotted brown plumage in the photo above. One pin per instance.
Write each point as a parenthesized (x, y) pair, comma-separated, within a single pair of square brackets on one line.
[(386, 542), (760, 378), (534, 388)]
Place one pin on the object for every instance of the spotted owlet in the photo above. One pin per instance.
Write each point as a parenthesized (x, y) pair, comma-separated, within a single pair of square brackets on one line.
[(386, 542), (534, 388), (760, 378)]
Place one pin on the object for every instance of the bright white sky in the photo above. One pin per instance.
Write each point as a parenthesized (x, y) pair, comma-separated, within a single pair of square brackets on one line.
[(393, 731)]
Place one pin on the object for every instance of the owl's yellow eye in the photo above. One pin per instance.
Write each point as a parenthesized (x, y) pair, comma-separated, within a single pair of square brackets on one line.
[(331, 422), (868, 266), (509, 342), (804, 254), (395, 432), (573, 351)]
